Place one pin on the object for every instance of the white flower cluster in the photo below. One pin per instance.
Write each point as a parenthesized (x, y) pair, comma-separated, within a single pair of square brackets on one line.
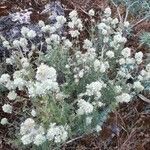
[(94, 89), (46, 81), (57, 133), (84, 107), (124, 97), (30, 34), (101, 66), (31, 133), (145, 74), (7, 108), (75, 24), (4, 121)]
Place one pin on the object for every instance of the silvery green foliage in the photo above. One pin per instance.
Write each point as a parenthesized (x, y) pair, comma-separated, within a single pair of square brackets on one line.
[(134, 8), (71, 91), (145, 38)]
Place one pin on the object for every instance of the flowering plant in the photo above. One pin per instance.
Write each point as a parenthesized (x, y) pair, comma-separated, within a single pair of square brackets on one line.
[(71, 86)]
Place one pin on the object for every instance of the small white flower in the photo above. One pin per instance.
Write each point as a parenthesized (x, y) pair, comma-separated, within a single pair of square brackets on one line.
[(12, 95), (24, 31), (26, 139), (73, 14), (110, 54), (81, 73), (138, 57), (100, 104), (138, 86), (9, 61), (31, 34), (45, 72), (27, 125), (16, 43), (4, 121), (87, 44), (23, 42), (88, 120), (33, 113), (98, 128), (106, 39), (122, 61), (102, 26), (7, 108), (107, 11), (124, 97), (115, 21), (84, 107), (61, 20), (102, 68), (55, 38), (74, 33), (24, 62), (67, 43), (126, 52), (126, 24), (5, 78), (97, 64), (91, 12), (148, 67), (39, 139), (6, 44), (20, 83), (104, 32), (41, 23)]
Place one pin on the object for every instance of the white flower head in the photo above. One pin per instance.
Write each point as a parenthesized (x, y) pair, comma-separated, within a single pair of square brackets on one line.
[(33, 113), (98, 128), (74, 33), (126, 52), (88, 120), (87, 44), (24, 62), (6, 44), (110, 54), (24, 31), (138, 86), (126, 24), (107, 11), (61, 20), (124, 97), (4, 78), (31, 34), (12, 95), (41, 23), (16, 43), (138, 57), (91, 12), (7, 108), (39, 139), (57, 133), (4, 121), (26, 126), (73, 14), (26, 139), (68, 43), (9, 61), (84, 107), (45, 72), (148, 67)]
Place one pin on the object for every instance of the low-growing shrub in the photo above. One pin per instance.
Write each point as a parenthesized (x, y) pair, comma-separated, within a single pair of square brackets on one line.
[(71, 86)]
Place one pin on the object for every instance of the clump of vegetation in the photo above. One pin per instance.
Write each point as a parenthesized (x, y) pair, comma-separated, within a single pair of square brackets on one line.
[(71, 87)]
